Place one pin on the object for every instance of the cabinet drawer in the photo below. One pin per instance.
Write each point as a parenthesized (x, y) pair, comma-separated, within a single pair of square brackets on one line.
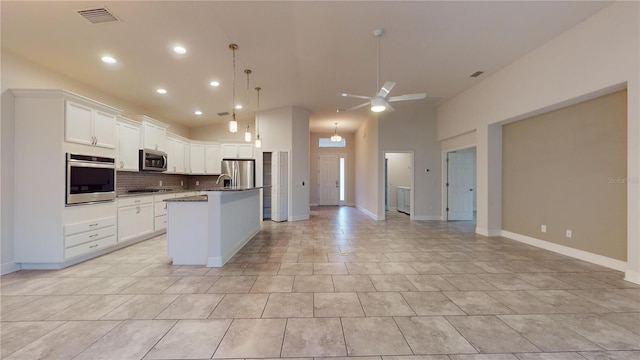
[(135, 200), (89, 247), (160, 208), (160, 223), (87, 236), (95, 224)]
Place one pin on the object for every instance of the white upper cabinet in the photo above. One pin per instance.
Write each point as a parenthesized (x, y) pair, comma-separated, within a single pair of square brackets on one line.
[(154, 134), (89, 126), (239, 151), (197, 158), (176, 155), (128, 140), (213, 159)]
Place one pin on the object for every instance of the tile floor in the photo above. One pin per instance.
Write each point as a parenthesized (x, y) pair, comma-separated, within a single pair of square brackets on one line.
[(338, 285)]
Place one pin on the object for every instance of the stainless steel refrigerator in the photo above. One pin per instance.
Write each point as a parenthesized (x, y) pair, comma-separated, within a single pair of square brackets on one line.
[(240, 172)]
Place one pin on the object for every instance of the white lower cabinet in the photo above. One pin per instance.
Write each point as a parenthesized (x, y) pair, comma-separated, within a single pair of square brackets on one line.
[(135, 217), (160, 211), (404, 199), (89, 236)]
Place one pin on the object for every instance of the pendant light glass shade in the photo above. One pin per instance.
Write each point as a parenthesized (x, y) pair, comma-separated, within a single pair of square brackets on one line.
[(247, 135), (258, 141), (233, 124), (335, 137)]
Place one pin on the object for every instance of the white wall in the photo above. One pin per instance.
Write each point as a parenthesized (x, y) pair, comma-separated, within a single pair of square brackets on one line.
[(399, 173), (412, 127), (300, 164), (597, 56), (287, 129), (368, 190)]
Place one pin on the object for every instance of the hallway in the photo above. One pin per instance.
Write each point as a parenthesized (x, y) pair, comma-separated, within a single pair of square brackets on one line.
[(339, 284)]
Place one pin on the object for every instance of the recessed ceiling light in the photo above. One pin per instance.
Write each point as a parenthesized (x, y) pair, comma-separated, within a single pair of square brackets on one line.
[(179, 50), (109, 60), (161, 91), (198, 112), (239, 106), (214, 83)]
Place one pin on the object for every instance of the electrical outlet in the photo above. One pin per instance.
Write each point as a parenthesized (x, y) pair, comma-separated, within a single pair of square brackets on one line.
[(197, 183), (569, 233), (160, 182), (543, 228)]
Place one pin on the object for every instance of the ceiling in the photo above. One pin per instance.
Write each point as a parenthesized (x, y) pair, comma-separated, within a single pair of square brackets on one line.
[(301, 53)]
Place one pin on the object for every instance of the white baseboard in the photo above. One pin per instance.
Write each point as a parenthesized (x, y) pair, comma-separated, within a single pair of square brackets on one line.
[(369, 213), (219, 261), (299, 217), (350, 204), (632, 276), (426, 217), (314, 204), (488, 232), (568, 251), (9, 267)]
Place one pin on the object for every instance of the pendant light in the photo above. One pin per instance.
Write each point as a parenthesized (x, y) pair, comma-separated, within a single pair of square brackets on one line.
[(233, 124), (258, 141), (247, 133), (335, 137)]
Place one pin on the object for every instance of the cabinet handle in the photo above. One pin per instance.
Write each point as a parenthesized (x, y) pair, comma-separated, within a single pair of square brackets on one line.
[(165, 206), (137, 209), (93, 246), (137, 201), (94, 235), (96, 224)]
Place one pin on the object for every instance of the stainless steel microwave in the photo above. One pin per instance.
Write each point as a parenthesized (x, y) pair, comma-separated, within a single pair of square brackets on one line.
[(90, 179), (153, 160)]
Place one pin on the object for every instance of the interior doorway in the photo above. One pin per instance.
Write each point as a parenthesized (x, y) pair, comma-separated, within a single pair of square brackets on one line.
[(398, 182), (460, 184)]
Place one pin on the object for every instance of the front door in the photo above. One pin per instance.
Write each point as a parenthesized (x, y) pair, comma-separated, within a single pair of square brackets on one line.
[(328, 179)]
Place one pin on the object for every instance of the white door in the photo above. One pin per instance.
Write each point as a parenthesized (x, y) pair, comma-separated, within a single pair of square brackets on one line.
[(460, 173), (328, 179), (279, 186)]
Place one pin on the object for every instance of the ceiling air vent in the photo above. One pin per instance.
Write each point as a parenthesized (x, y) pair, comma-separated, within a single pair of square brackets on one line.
[(226, 113), (476, 74), (98, 15)]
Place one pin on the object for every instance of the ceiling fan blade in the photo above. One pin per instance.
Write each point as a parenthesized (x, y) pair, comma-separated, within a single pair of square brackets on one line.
[(389, 108), (354, 96), (358, 106), (386, 89), (408, 97)]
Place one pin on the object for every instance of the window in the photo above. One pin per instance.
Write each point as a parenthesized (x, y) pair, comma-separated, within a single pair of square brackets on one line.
[(342, 179), (327, 143)]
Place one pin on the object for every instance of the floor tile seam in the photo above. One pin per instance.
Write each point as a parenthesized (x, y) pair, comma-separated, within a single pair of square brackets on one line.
[(120, 322), (62, 322), (160, 339)]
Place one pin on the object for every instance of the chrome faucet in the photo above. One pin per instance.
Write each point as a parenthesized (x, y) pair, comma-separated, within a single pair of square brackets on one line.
[(220, 177)]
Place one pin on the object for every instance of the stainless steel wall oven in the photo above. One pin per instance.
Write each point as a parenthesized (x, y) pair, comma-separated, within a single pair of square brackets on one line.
[(90, 179)]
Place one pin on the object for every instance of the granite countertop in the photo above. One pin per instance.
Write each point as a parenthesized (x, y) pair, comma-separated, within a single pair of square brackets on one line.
[(237, 188), (155, 192), (196, 198)]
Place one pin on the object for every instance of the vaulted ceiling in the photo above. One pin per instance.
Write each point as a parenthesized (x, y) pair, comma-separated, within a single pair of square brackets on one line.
[(301, 53)]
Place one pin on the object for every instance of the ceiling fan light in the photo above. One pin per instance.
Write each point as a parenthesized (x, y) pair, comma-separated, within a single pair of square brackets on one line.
[(378, 105)]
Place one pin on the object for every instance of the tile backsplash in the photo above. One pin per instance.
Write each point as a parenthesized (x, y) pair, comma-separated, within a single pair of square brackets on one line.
[(126, 181)]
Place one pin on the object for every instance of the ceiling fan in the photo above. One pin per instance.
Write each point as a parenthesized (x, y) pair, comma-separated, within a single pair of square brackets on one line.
[(380, 102)]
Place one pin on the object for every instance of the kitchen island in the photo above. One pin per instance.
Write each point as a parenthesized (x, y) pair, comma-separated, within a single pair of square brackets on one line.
[(209, 229)]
